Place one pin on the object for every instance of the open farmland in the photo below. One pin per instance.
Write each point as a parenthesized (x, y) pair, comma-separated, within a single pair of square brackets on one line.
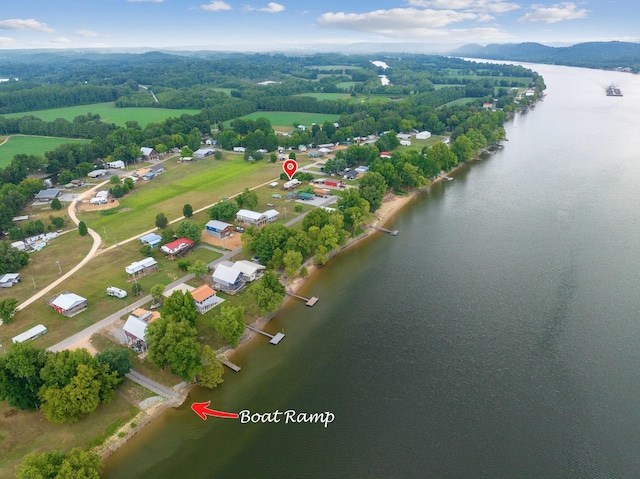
[(109, 113), (288, 118), (326, 96), (30, 145)]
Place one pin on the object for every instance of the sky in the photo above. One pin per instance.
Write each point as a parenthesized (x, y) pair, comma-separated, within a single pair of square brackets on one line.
[(258, 25)]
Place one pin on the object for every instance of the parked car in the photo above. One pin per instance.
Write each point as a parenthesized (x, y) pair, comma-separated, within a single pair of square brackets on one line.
[(239, 229)]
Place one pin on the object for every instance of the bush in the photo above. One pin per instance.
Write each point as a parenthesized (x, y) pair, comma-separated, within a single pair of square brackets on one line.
[(57, 221), (55, 204), (82, 228), (183, 264), (298, 208)]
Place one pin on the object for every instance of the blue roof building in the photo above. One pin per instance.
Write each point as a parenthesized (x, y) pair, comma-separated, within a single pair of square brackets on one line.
[(152, 239)]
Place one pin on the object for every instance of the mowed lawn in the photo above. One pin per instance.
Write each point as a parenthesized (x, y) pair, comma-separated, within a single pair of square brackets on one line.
[(200, 184), (326, 96), (30, 145), (288, 118), (109, 113)]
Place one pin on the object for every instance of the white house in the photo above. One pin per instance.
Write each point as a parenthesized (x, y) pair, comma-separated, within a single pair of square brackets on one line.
[(135, 330), (423, 135), (272, 215), (203, 152), (205, 298), (249, 269), (142, 267), (177, 247), (252, 218)]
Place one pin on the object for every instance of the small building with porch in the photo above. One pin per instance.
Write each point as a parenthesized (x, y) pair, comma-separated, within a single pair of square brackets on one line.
[(152, 239), (9, 279), (178, 247), (69, 304), (251, 218), (228, 279), (205, 298), (142, 267), (135, 330)]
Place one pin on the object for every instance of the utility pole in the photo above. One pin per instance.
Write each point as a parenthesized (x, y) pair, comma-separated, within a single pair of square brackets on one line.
[(59, 268)]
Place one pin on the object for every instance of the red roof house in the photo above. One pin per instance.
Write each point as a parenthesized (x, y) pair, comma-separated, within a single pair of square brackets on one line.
[(177, 247)]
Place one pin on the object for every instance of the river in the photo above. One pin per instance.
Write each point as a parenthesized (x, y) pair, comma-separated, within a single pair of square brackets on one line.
[(497, 336)]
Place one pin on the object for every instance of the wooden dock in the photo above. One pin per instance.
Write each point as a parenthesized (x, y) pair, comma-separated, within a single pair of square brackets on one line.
[(308, 301), (444, 175), (229, 364), (274, 339), (385, 230)]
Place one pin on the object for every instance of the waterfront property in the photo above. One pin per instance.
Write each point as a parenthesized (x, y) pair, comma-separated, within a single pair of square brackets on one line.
[(228, 279), (69, 304), (205, 298), (250, 270), (135, 330)]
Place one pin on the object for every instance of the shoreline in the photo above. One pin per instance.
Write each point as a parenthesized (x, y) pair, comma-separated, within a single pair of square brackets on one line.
[(391, 207)]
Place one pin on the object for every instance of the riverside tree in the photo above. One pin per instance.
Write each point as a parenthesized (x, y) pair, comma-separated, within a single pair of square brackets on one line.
[(212, 371), (76, 464), (172, 343), (372, 188), (269, 292), (229, 324), (20, 378)]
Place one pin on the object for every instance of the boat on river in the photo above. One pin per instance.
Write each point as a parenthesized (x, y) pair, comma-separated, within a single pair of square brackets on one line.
[(613, 90)]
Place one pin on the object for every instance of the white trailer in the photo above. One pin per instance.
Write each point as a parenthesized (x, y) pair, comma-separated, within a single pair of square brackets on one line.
[(32, 333), (117, 292)]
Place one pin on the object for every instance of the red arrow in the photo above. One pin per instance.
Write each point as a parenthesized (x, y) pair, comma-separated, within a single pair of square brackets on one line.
[(202, 410)]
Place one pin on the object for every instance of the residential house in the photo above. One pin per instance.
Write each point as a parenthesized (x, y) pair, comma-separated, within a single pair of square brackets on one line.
[(9, 279), (228, 279), (423, 135), (218, 229), (250, 270), (203, 152), (69, 304), (47, 195), (178, 247), (142, 267), (135, 330), (205, 298), (272, 215), (149, 154), (251, 218), (351, 175), (152, 239)]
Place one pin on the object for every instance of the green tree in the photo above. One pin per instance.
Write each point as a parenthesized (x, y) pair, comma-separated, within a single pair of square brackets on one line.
[(128, 183), (212, 370), (15, 234), (186, 152), (372, 188), (180, 307), (117, 359), (269, 292), (189, 230), (114, 180), (292, 261), (321, 256), (8, 307), (223, 211), (167, 235), (82, 228), (136, 289), (187, 210), (161, 221), (217, 155), (156, 293), (173, 343), (292, 156), (55, 204), (57, 221), (75, 464), (20, 378), (199, 268), (247, 199), (229, 324), (462, 147)]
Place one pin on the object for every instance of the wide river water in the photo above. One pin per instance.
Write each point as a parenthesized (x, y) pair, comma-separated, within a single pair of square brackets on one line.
[(497, 336)]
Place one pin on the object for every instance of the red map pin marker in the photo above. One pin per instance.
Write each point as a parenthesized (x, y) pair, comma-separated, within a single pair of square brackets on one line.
[(290, 167)]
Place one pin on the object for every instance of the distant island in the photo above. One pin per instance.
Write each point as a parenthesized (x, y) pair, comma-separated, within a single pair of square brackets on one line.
[(622, 56)]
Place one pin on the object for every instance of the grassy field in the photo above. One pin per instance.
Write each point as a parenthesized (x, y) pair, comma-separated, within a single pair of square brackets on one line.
[(109, 113), (420, 144), (287, 118), (30, 145), (23, 432), (439, 86), (460, 101), (346, 84)]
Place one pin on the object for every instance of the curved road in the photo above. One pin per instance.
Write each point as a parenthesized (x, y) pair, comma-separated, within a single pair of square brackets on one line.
[(97, 241)]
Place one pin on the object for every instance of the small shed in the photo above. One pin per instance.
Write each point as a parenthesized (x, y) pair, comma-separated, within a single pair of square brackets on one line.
[(9, 279), (152, 239), (218, 229), (423, 135), (142, 267)]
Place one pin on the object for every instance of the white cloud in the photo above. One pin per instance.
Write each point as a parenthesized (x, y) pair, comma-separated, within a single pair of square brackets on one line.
[(25, 24), (396, 19), (87, 33), (555, 13), (272, 7), (7, 42), (216, 6), (60, 41), (491, 6)]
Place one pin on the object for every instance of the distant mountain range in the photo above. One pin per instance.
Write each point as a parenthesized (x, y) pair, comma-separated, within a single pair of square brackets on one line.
[(604, 55)]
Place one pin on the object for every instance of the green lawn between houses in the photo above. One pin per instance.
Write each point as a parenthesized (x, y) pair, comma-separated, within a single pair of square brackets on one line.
[(30, 145), (108, 113)]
